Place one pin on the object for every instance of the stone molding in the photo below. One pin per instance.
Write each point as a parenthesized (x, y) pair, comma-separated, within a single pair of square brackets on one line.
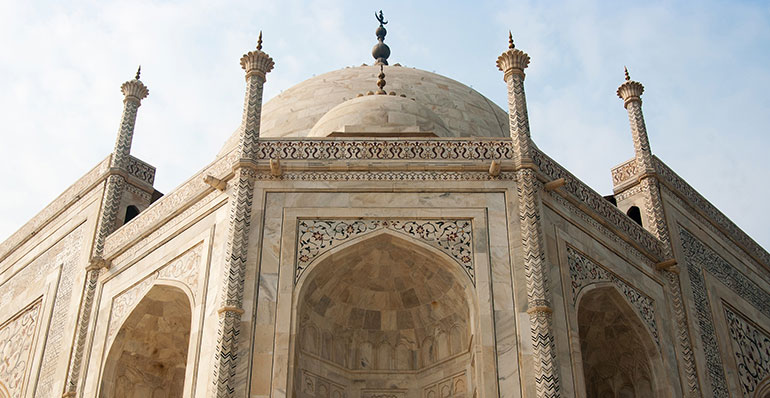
[(698, 203), (16, 340), (584, 272), (433, 149), (452, 236), (751, 349), (699, 257)]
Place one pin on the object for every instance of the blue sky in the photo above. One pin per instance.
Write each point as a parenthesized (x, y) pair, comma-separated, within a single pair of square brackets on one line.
[(704, 66)]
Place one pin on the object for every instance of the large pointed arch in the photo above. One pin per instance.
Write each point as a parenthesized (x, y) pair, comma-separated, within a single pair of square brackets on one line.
[(619, 356), (148, 356), (383, 294)]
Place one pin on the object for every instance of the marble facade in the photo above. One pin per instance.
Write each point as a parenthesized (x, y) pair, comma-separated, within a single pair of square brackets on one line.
[(428, 250)]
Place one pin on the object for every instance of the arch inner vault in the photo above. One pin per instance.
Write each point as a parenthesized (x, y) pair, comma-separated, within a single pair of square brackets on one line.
[(384, 315)]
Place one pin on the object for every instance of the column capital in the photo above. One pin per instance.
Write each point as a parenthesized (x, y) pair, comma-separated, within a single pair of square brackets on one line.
[(513, 61), (630, 90), (134, 90), (257, 62)]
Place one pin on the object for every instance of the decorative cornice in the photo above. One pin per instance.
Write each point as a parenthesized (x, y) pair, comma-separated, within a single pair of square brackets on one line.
[(385, 149), (607, 213), (698, 203)]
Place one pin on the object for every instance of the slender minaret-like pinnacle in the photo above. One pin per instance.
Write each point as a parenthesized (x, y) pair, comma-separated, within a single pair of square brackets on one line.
[(229, 369), (381, 51), (649, 187), (257, 64), (512, 63), (134, 91), (631, 94)]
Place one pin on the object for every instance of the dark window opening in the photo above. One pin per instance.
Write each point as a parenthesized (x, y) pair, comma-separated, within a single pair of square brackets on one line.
[(131, 212), (635, 214)]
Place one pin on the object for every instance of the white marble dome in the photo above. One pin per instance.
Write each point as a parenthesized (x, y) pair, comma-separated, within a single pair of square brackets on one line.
[(458, 110)]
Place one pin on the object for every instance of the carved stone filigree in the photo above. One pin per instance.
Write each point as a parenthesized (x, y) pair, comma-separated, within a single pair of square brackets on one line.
[(452, 236), (141, 170), (16, 339), (584, 272), (624, 172), (699, 257), (751, 349), (317, 386), (370, 149)]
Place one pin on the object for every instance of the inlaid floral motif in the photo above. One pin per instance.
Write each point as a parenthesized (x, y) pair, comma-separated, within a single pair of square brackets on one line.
[(315, 237)]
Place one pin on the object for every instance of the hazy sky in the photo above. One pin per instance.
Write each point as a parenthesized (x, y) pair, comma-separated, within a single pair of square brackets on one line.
[(704, 66)]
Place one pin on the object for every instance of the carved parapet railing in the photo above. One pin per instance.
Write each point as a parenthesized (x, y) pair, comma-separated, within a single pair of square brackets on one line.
[(608, 214), (623, 173), (60, 204), (385, 149), (141, 170), (710, 212)]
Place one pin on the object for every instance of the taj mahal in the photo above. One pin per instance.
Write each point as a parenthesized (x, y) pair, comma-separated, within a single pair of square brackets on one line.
[(383, 232)]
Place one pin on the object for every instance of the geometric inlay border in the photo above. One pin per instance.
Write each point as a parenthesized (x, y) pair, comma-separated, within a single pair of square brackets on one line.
[(452, 236), (751, 348), (584, 272), (698, 258)]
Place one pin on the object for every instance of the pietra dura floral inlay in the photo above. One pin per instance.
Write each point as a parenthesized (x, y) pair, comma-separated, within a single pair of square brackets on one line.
[(453, 237)]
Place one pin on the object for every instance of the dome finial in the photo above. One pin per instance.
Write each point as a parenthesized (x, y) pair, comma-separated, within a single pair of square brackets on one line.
[(510, 41), (259, 41), (628, 77), (138, 72), (381, 51)]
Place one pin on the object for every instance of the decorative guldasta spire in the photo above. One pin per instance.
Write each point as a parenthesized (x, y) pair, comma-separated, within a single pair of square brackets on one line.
[(228, 366), (631, 93), (134, 91), (512, 63), (381, 51)]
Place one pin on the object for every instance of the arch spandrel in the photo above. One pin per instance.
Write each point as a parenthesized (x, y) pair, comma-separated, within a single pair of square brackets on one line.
[(316, 237)]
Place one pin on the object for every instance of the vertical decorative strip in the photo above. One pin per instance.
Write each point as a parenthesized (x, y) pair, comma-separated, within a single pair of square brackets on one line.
[(134, 91), (630, 92), (227, 371), (512, 63)]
